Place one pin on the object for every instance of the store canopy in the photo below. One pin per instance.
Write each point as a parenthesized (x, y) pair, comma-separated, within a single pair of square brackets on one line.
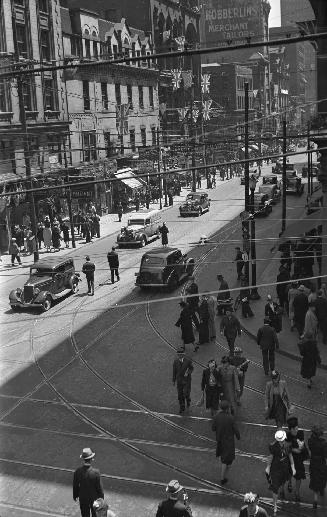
[(128, 177), (302, 226)]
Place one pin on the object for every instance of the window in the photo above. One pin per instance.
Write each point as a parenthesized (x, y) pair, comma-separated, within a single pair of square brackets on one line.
[(87, 48), (115, 51), (43, 6), (104, 95), (130, 96), (45, 45), (21, 40), (21, 3), (76, 46), (95, 49), (3, 97), (154, 136), (86, 95), (27, 95), (109, 145), (89, 146), (132, 139), (151, 101), (49, 95), (143, 136), (118, 94), (141, 100)]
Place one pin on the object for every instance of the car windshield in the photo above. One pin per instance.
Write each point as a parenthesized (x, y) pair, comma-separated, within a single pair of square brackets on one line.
[(137, 222), (41, 271), (193, 197), (153, 260)]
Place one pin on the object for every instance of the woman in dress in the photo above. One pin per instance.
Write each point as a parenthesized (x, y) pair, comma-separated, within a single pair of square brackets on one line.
[(277, 400), (300, 453), (211, 386), (310, 357), (229, 382), (280, 466), (47, 234), (318, 464), (185, 323)]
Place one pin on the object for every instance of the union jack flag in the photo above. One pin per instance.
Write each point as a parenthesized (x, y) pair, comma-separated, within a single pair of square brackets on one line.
[(187, 78), (180, 43), (177, 78), (182, 113), (195, 114), (122, 113), (206, 109), (205, 83)]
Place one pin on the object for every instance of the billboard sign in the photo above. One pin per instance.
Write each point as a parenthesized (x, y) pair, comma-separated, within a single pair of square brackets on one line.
[(231, 20)]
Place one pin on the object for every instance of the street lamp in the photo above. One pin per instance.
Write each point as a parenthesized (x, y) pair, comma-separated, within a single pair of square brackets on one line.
[(254, 292)]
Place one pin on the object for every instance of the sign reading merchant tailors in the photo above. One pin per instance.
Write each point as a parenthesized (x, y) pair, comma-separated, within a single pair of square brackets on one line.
[(231, 19)]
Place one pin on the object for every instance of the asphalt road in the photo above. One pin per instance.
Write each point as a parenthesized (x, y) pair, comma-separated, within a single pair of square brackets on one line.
[(93, 373)]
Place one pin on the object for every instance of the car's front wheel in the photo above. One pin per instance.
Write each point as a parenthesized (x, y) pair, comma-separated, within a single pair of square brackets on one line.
[(200, 211), (74, 287), (15, 308), (143, 241), (47, 303)]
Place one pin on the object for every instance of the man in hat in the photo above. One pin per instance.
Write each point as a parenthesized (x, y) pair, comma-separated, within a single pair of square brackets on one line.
[(177, 503), (268, 342), (113, 261), (87, 486), (239, 262), (226, 429), (230, 327), (300, 306), (14, 252), (182, 370), (88, 269), (241, 364), (252, 507), (225, 295)]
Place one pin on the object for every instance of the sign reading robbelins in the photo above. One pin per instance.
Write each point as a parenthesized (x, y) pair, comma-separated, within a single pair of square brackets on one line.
[(231, 19)]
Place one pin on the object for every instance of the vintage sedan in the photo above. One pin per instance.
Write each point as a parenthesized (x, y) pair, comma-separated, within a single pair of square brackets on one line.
[(142, 227), (262, 204), (294, 183), (164, 267), (196, 203), (50, 279), (272, 191)]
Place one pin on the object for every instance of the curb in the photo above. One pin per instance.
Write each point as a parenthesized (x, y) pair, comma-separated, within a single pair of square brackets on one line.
[(285, 353)]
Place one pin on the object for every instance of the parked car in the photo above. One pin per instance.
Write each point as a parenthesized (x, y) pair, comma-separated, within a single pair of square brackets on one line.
[(272, 191), (271, 179), (142, 227), (278, 167), (262, 204), (196, 203), (50, 279), (164, 267), (294, 184), (314, 169)]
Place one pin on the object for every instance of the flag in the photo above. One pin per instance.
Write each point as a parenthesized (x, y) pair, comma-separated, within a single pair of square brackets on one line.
[(180, 43), (122, 113), (177, 77), (187, 77), (195, 114), (165, 35), (206, 109), (182, 113), (205, 83)]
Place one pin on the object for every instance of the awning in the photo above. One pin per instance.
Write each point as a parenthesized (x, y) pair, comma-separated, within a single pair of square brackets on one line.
[(255, 147), (128, 177), (299, 228)]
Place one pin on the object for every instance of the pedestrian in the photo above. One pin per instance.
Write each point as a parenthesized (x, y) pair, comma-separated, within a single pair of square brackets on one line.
[(87, 486), (198, 180), (65, 233), (312, 296), (170, 197), (88, 269), (252, 508), (147, 199), (230, 327), (204, 320), (300, 453), (56, 238), (47, 234), (268, 342), (318, 463), (101, 508), (226, 429), (244, 296), (20, 237), (87, 229), (272, 312), (185, 323), (39, 234), (177, 504), (14, 252), (239, 262), (192, 292), (241, 364), (229, 382), (211, 386), (137, 202), (164, 234), (300, 305), (277, 400), (310, 357), (223, 295), (120, 211), (113, 261), (280, 466), (282, 288), (321, 313), (292, 292), (96, 224), (212, 315), (182, 370), (311, 322)]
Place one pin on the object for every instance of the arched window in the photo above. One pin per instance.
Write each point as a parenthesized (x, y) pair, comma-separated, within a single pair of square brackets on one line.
[(126, 47)]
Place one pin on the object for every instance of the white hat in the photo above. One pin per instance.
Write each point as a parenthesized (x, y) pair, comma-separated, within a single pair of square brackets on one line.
[(280, 435), (87, 454)]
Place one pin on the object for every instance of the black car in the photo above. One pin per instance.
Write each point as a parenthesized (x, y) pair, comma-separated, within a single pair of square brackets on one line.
[(196, 203)]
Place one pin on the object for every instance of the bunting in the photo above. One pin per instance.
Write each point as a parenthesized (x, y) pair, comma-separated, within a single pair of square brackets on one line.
[(182, 113), (122, 113), (180, 43), (177, 78), (187, 77), (205, 83), (206, 109), (165, 36)]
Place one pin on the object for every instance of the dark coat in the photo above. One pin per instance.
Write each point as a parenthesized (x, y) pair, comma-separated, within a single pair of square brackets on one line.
[(226, 429), (193, 289), (88, 269), (223, 287), (65, 231), (180, 368), (260, 513), (274, 316), (87, 484), (282, 276), (185, 322), (230, 326), (113, 259), (267, 338), (173, 508), (55, 237), (318, 466), (321, 311), (300, 305), (310, 358), (164, 234), (206, 377)]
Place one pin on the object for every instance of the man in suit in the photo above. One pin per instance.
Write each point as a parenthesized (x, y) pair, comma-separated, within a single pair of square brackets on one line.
[(230, 327), (177, 503), (182, 369), (88, 269), (268, 342), (87, 485), (239, 262), (113, 261), (226, 429)]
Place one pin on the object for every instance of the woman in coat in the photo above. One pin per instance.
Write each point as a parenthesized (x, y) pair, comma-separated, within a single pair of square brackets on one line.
[(229, 382), (277, 400), (318, 463), (300, 453), (56, 237), (164, 234), (185, 323), (203, 312), (272, 312), (310, 357), (211, 386)]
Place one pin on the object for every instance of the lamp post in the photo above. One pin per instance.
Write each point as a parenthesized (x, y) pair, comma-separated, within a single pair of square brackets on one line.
[(254, 292)]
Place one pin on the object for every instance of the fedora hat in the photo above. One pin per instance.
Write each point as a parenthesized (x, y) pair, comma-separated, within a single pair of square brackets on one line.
[(87, 454), (173, 487), (280, 435)]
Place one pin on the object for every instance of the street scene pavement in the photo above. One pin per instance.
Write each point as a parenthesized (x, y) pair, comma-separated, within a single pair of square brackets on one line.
[(97, 372)]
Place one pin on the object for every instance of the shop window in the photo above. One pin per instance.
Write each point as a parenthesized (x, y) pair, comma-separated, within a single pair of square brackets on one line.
[(86, 95), (20, 3), (141, 99), (132, 139), (104, 95), (143, 136), (118, 94), (45, 45), (89, 146), (130, 96), (151, 100)]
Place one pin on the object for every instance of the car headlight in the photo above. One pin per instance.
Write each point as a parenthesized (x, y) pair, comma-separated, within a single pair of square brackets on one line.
[(19, 291), (36, 291)]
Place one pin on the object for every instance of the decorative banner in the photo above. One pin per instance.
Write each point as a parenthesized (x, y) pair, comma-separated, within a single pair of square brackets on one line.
[(206, 109), (177, 78), (195, 114), (165, 36), (122, 113), (180, 43), (205, 83), (182, 113), (187, 77)]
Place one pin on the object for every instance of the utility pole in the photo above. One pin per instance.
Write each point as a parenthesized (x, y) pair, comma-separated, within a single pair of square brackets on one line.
[(246, 177), (22, 116), (159, 168), (309, 160), (193, 145), (284, 178), (69, 199)]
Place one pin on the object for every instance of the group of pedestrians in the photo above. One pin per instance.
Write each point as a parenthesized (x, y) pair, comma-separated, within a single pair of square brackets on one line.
[(88, 269)]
